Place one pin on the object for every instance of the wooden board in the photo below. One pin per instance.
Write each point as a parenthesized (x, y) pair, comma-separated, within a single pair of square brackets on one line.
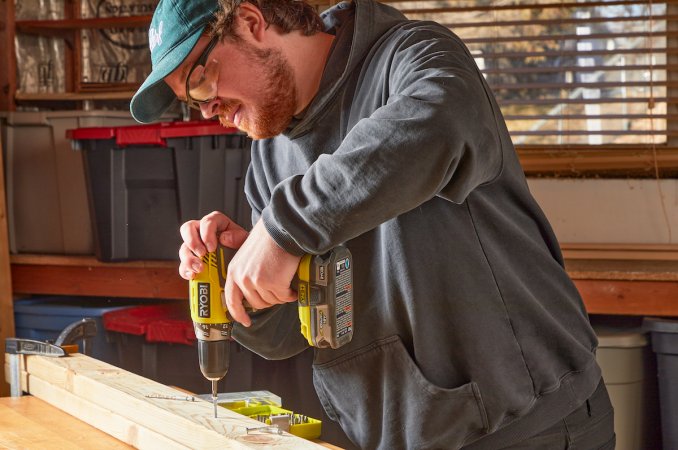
[(69, 275), (6, 299), (115, 401), (30, 423), (639, 298), (7, 59)]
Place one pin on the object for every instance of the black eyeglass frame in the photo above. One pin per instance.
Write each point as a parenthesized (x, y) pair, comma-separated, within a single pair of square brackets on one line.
[(202, 60)]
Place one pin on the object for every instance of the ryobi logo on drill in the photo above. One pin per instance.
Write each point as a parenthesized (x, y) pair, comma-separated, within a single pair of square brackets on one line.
[(204, 300)]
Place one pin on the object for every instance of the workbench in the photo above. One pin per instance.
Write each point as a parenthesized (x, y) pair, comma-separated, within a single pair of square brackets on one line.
[(31, 423)]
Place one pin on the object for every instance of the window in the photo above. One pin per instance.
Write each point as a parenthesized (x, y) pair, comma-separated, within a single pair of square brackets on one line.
[(569, 73), (588, 86)]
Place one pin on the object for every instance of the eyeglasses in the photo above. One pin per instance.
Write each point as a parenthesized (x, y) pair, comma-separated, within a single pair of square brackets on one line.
[(203, 78)]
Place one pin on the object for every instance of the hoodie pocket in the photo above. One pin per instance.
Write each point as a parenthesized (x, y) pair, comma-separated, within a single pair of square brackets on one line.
[(382, 400)]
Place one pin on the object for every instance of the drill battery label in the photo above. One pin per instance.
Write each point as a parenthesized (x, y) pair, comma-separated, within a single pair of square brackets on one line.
[(204, 306), (343, 265), (344, 298)]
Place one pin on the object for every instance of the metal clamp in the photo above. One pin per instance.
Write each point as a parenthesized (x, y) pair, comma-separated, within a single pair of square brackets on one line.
[(84, 330)]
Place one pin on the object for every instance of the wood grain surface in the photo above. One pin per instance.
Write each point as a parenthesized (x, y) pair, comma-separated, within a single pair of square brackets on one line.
[(115, 401), (31, 423)]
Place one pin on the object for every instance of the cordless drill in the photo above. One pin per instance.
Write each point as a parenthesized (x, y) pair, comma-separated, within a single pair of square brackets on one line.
[(325, 287)]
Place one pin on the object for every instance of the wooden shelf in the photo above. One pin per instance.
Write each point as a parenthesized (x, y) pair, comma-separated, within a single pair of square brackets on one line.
[(631, 298), (638, 160), (80, 275), (629, 286), (42, 27), (637, 280), (632, 253), (70, 30), (73, 96)]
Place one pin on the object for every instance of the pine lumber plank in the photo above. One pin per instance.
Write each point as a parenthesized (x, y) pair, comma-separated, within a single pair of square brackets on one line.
[(101, 418), (102, 389), (30, 423), (23, 375)]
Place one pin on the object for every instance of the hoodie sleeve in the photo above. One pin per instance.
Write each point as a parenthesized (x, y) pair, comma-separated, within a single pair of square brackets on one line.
[(436, 135), (274, 333)]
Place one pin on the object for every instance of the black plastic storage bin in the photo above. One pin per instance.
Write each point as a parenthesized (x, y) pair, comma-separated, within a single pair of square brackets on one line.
[(665, 345), (144, 181)]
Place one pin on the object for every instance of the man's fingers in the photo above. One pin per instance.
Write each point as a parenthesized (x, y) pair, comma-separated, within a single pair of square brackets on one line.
[(185, 272), (255, 299), (212, 224), (279, 297), (261, 296), (190, 264), (233, 237), (269, 298), (234, 302), (190, 234), (288, 296)]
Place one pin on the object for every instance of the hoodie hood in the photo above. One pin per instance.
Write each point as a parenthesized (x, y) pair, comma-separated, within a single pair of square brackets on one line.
[(370, 22)]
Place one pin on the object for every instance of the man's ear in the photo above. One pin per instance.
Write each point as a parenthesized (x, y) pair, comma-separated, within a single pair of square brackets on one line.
[(250, 22)]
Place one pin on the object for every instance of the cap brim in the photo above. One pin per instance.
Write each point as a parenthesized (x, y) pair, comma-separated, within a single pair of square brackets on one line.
[(155, 96)]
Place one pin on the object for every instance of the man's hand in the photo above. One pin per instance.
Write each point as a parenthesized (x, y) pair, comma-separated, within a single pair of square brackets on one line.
[(260, 272), (201, 236)]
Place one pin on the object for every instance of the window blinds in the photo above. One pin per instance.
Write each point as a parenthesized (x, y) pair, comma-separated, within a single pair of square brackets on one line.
[(572, 73)]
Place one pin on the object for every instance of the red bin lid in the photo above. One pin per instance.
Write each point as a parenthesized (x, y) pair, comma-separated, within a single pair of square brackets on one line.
[(151, 134), (158, 323), (172, 331)]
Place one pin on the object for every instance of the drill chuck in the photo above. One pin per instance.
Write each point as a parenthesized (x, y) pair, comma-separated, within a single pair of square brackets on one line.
[(213, 357)]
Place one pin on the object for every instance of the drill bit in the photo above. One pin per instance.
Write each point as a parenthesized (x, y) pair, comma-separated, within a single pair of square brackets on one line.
[(188, 398), (214, 397)]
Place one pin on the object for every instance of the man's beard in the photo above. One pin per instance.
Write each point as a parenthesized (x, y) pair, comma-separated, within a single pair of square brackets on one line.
[(271, 116)]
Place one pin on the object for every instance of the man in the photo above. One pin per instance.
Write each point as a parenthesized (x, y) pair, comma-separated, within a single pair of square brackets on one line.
[(380, 133)]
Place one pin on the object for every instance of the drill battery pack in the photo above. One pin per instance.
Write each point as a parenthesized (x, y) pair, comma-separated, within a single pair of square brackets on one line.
[(325, 289)]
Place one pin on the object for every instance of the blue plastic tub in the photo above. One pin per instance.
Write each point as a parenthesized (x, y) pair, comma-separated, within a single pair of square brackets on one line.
[(44, 318)]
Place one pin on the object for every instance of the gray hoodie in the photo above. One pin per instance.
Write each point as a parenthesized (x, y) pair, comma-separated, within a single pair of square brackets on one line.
[(467, 329)]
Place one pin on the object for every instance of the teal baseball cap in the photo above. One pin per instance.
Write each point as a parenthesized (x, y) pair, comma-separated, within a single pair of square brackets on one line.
[(175, 29)]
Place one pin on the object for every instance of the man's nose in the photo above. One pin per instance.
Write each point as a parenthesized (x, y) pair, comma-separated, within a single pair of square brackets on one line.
[(210, 109)]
